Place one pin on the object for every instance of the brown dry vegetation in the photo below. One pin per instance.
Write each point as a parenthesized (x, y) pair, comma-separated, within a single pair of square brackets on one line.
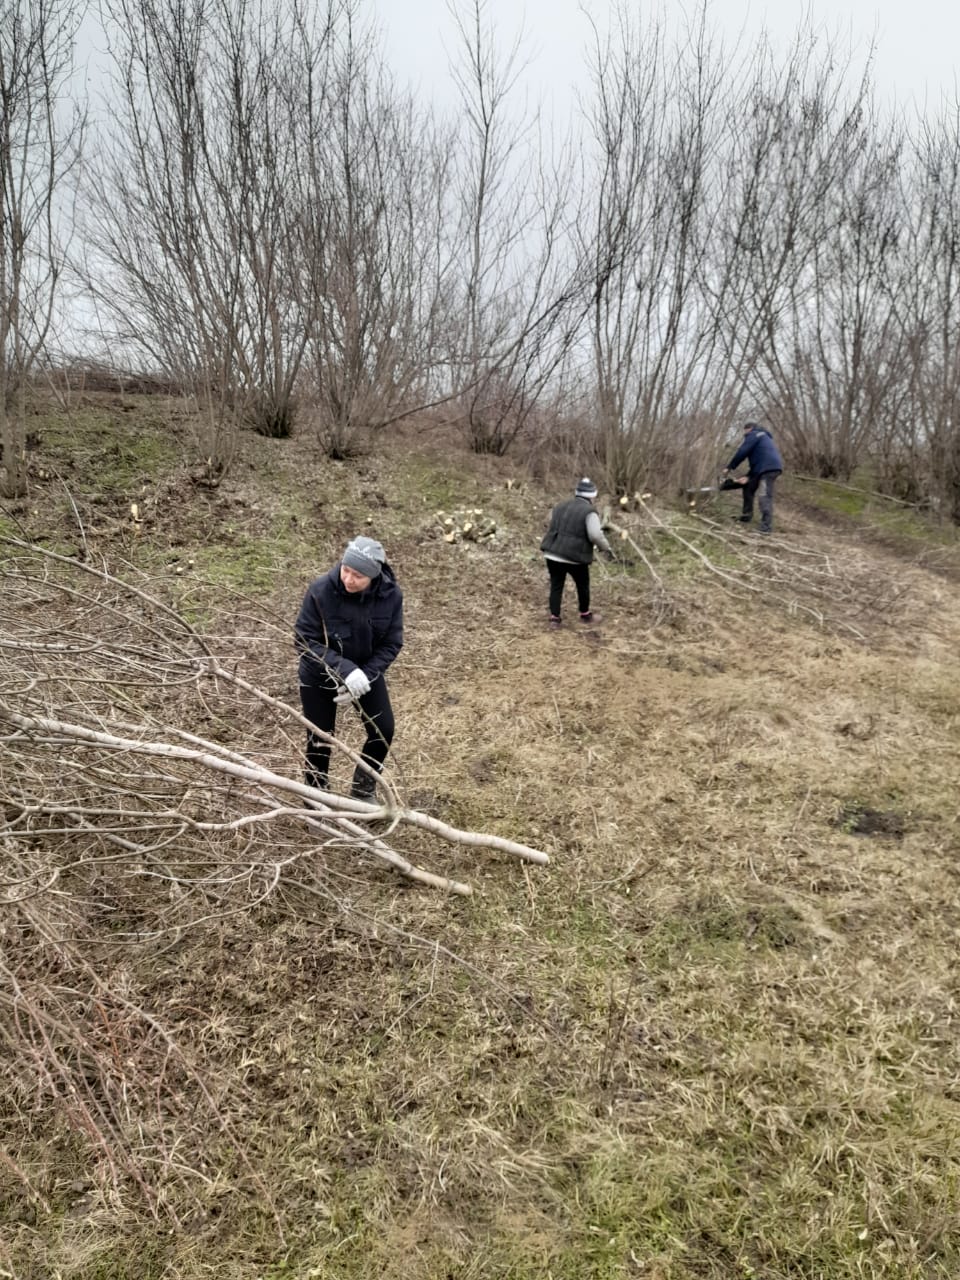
[(716, 1037)]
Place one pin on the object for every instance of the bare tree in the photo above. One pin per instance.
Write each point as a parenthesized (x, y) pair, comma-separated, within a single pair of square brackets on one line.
[(370, 211), (517, 291), (658, 119), (819, 221), (195, 232), (772, 192), (923, 458), (39, 146)]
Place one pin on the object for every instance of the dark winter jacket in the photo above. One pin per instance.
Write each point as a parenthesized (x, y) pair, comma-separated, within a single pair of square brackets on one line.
[(760, 451), (341, 630), (567, 537)]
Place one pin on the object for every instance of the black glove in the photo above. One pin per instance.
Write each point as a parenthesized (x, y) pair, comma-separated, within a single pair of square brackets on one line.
[(618, 557)]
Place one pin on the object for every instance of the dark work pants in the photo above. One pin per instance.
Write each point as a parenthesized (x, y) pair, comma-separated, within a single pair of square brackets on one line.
[(580, 573), (321, 710), (754, 482)]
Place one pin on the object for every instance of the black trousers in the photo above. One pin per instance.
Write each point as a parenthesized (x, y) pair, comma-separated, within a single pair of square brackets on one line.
[(767, 479), (321, 710), (580, 573)]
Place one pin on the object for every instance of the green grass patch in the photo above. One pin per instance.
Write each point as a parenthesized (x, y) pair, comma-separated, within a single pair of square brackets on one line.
[(433, 485), (247, 565), (862, 506), (235, 562), (675, 552), (112, 451), (713, 926)]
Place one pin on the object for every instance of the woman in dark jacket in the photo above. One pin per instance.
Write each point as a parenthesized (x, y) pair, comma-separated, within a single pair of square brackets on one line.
[(349, 630)]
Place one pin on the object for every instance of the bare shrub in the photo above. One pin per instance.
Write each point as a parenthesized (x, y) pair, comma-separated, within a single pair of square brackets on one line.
[(657, 121), (516, 298), (195, 222), (38, 150)]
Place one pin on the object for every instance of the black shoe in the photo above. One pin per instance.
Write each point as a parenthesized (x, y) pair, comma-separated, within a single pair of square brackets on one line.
[(318, 780), (363, 787), (744, 519)]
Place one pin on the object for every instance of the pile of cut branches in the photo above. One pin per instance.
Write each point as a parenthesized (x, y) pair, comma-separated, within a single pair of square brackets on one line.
[(837, 589), (123, 827)]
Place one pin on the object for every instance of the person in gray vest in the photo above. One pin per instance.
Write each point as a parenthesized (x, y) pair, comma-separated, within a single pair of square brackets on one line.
[(568, 548)]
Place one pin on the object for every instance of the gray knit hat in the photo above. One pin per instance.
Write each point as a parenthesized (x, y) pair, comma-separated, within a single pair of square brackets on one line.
[(365, 555), (586, 488)]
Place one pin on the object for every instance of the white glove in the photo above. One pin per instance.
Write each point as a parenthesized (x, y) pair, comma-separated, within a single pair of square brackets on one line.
[(357, 683)]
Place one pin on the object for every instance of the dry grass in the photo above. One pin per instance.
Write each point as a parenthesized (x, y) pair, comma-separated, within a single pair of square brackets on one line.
[(717, 1037)]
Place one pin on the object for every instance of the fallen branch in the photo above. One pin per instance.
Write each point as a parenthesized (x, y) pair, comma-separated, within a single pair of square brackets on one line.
[(325, 802)]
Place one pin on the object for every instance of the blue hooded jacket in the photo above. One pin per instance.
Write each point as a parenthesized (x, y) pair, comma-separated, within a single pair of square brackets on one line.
[(338, 630), (760, 452)]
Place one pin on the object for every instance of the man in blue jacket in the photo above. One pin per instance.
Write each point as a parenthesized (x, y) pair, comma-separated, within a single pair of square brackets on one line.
[(765, 464), (349, 630)]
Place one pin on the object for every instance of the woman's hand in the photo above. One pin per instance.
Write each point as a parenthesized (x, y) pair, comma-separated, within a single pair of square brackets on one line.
[(357, 683)]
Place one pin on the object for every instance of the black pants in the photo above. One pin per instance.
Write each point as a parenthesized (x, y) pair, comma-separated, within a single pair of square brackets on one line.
[(754, 481), (580, 573), (321, 710)]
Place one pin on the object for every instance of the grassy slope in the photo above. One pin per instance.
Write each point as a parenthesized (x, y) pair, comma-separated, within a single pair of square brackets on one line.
[(717, 1037)]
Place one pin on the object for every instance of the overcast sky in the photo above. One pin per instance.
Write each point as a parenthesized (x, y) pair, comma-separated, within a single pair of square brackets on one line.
[(916, 59)]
